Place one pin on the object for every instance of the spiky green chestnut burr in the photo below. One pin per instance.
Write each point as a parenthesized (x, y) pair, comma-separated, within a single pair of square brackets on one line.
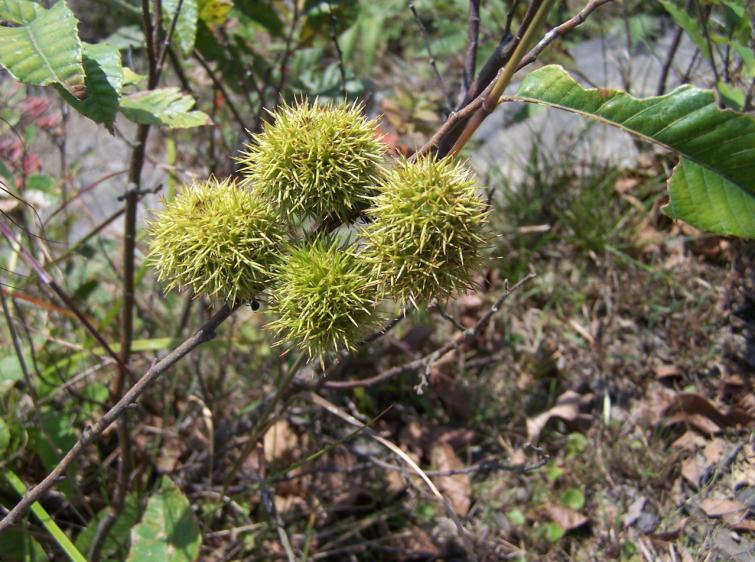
[(315, 161), (427, 230), (323, 298), (216, 239)]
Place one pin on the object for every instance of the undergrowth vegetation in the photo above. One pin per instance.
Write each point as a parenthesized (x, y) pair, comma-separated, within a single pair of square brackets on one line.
[(340, 280)]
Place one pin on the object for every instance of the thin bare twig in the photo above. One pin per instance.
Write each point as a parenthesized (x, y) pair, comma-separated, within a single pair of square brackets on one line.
[(287, 52), (473, 33), (673, 48), (541, 11), (131, 209), (334, 39), (560, 31), (433, 64), (445, 139), (426, 362), (169, 36), (336, 411), (704, 15), (219, 85), (21, 361)]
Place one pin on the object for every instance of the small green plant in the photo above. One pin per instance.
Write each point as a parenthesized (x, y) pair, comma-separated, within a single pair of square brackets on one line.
[(315, 161), (216, 239), (427, 230)]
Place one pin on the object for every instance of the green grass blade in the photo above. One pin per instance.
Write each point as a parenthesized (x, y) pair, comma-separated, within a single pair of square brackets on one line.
[(60, 537)]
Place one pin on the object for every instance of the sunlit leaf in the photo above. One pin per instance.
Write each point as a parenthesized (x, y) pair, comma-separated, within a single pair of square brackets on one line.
[(710, 202), (185, 31), (214, 12), (46, 50), (20, 11), (687, 120), (168, 531), (164, 107)]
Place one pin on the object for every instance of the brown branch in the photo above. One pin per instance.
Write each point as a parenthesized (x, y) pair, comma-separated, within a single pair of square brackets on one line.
[(433, 64), (155, 62), (482, 85), (445, 139), (540, 10), (675, 42), (287, 52), (427, 361), (169, 36), (89, 435), (561, 30), (334, 39), (473, 33), (219, 85)]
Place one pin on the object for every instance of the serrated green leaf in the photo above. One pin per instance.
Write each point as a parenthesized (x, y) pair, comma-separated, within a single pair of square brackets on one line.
[(46, 50), (168, 531), (185, 32), (20, 11), (686, 120), (164, 107), (104, 82), (710, 202)]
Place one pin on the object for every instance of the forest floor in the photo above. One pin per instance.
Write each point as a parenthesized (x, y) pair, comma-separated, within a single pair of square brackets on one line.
[(605, 413)]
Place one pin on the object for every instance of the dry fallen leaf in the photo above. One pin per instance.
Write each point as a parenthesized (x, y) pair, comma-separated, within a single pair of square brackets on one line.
[(418, 542), (673, 533), (566, 408), (715, 451), (566, 518), (634, 511), (722, 508), (691, 471), (698, 421), (690, 441), (457, 488), (280, 442), (697, 411), (666, 371)]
